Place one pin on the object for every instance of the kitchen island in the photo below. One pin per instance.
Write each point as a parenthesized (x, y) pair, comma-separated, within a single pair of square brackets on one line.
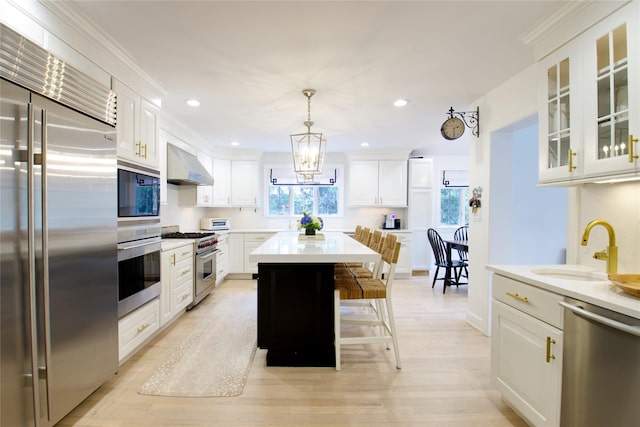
[(295, 295)]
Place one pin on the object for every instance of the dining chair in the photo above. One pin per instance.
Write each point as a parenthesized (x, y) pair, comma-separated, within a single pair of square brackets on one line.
[(440, 254), (378, 292), (462, 233)]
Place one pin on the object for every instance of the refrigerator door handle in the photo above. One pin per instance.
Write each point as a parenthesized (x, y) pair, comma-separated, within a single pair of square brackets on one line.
[(45, 259), (31, 236)]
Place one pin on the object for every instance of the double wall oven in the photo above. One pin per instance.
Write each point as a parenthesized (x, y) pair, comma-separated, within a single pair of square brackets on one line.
[(139, 236)]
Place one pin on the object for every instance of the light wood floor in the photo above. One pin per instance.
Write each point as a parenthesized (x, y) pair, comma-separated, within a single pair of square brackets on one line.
[(444, 380)]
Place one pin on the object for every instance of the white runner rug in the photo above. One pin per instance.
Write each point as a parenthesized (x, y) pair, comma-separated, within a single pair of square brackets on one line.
[(214, 360)]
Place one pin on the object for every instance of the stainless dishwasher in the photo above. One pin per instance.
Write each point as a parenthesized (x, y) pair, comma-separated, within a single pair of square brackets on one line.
[(601, 367)]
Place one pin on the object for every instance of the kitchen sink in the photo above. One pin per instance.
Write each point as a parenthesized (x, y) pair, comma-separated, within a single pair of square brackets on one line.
[(567, 274)]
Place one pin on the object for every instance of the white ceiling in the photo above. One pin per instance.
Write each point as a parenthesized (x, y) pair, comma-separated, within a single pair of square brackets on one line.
[(247, 63)]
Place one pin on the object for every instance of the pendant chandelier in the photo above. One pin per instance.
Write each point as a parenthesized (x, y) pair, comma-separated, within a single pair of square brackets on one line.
[(308, 149)]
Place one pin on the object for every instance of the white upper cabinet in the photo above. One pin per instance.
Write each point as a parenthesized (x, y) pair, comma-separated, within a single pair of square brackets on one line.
[(612, 74), (589, 103), (560, 116), (378, 183), (420, 171), (221, 182), (244, 183), (205, 192), (137, 127)]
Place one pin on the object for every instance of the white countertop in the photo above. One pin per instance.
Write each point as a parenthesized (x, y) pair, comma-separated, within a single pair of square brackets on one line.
[(599, 291), (285, 247)]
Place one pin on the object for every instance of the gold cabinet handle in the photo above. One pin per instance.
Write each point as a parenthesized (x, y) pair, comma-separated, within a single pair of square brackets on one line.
[(173, 259), (142, 327), (184, 297), (632, 156), (572, 167), (185, 272), (139, 149), (550, 356), (518, 297), (186, 253)]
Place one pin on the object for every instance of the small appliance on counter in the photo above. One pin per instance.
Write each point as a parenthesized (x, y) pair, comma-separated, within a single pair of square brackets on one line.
[(215, 224), (391, 222)]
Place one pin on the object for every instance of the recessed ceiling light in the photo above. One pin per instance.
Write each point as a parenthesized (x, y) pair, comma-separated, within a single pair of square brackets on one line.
[(400, 102), (193, 103), (364, 144), (234, 143)]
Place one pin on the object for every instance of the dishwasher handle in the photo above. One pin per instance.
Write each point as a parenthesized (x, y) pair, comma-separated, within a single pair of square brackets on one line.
[(579, 311)]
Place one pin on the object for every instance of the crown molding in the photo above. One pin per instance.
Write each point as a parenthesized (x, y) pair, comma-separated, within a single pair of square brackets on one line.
[(91, 31), (560, 17)]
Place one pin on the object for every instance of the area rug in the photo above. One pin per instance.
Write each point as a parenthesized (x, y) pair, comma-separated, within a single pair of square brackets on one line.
[(214, 360)]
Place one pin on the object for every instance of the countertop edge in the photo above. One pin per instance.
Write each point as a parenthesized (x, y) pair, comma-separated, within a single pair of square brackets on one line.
[(601, 293)]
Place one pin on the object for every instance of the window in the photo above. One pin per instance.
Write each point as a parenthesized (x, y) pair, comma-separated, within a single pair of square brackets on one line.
[(286, 198), (454, 206), (454, 198)]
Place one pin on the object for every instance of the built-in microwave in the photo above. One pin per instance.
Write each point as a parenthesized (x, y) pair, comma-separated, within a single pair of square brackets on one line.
[(138, 192)]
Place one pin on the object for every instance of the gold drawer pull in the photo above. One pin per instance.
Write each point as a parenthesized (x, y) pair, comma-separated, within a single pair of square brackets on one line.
[(184, 272), (550, 356), (518, 297), (184, 297), (186, 253), (143, 327)]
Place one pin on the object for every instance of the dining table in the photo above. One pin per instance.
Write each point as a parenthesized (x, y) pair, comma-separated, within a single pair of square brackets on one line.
[(296, 292), (452, 244)]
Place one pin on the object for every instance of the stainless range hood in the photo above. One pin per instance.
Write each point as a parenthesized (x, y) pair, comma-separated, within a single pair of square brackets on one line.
[(185, 169)]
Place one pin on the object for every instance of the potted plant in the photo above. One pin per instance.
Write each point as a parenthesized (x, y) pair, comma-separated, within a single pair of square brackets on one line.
[(310, 223)]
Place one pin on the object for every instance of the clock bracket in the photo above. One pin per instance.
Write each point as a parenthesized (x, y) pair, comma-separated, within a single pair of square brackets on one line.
[(471, 119)]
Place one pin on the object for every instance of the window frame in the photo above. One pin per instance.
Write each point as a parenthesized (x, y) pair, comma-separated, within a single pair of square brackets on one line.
[(339, 184), (464, 205)]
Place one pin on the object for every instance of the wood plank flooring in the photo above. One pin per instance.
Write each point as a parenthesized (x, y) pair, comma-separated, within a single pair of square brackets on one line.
[(444, 380)]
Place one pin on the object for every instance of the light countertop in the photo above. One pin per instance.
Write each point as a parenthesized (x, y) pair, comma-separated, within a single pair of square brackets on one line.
[(285, 247), (599, 291)]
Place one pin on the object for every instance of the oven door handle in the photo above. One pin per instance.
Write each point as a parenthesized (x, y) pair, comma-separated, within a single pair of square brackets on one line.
[(139, 245), (209, 254)]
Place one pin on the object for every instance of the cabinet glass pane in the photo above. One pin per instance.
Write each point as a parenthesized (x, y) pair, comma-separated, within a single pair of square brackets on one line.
[(564, 76), (565, 113), (604, 139), (620, 91), (552, 145), (553, 116), (565, 144), (620, 45), (613, 142), (602, 53), (604, 97), (552, 80)]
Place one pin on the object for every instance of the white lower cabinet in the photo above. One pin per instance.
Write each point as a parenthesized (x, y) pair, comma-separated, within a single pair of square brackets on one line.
[(240, 246), (526, 349), (404, 267), (136, 327), (222, 259), (177, 277)]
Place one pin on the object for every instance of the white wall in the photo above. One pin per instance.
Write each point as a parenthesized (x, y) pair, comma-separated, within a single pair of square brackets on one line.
[(528, 224)]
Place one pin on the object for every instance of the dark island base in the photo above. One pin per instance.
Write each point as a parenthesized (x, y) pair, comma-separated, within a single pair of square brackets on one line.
[(295, 314)]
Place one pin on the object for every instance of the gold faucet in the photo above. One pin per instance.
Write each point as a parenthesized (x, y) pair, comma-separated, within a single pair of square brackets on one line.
[(611, 253)]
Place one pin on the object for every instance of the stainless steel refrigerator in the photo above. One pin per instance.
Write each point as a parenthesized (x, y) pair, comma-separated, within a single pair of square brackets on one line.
[(58, 261)]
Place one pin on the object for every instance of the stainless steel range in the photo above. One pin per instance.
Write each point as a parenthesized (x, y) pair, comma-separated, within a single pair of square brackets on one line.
[(205, 249)]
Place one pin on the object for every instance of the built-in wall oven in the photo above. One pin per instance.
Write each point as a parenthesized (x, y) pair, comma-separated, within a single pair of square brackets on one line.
[(138, 266)]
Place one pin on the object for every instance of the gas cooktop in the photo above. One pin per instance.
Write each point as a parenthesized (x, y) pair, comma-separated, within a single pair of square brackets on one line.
[(191, 235)]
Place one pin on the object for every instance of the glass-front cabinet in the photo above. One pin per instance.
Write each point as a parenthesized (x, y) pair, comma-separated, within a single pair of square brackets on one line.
[(560, 118), (611, 79), (589, 103)]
